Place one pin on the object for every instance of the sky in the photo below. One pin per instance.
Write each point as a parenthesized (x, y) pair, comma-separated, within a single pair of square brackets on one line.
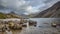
[(25, 7)]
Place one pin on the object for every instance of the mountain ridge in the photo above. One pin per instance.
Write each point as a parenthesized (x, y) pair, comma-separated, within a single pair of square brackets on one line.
[(9, 15), (52, 12)]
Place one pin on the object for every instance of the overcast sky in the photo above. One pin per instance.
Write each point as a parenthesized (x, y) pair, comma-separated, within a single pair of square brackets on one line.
[(25, 6)]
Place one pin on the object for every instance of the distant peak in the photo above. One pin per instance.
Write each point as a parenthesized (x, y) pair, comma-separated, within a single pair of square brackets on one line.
[(12, 12)]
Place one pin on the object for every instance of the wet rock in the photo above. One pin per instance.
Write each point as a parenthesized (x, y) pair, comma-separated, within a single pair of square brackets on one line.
[(24, 25)]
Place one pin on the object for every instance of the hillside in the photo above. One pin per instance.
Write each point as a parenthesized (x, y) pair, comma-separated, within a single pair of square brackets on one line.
[(9, 15), (52, 12)]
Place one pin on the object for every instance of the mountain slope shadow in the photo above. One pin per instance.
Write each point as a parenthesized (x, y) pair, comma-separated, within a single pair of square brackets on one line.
[(52, 12)]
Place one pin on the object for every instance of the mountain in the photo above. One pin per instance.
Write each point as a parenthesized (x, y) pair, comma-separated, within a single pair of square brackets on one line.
[(52, 12), (9, 15)]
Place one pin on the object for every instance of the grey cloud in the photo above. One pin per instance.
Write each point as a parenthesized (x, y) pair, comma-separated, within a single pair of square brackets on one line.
[(25, 6), (15, 5)]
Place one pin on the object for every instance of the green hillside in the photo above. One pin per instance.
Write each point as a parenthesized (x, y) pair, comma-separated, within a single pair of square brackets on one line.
[(4, 16)]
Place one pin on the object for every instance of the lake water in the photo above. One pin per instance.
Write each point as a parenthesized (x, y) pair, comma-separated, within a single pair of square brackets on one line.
[(40, 21)]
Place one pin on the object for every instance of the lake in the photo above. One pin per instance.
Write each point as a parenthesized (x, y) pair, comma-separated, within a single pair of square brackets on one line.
[(43, 27)]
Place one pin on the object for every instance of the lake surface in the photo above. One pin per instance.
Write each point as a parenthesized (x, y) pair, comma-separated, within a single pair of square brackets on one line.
[(43, 26)]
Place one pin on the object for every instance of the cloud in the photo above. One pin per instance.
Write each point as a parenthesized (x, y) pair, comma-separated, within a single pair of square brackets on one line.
[(14, 4), (17, 5), (39, 5), (24, 6)]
